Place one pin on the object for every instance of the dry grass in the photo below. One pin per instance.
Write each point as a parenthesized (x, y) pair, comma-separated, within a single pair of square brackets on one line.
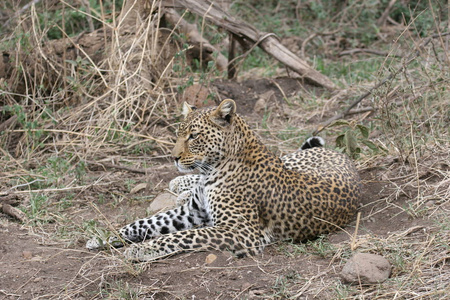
[(86, 106), (63, 115)]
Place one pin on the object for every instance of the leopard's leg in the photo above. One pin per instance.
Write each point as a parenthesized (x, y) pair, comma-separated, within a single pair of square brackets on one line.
[(242, 239), (184, 187), (184, 183), (191, 214), (184, 198)]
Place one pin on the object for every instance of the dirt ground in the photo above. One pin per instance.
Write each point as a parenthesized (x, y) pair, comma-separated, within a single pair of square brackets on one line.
[(42, 262)]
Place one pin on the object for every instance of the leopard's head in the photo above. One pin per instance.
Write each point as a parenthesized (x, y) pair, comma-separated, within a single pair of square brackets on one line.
[(201, 136)]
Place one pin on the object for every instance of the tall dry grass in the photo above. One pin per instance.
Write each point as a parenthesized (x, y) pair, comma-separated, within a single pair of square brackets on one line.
[(64, 98)]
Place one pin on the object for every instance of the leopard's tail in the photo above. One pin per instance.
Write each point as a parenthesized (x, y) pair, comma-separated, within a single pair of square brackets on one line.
[(312, 142)]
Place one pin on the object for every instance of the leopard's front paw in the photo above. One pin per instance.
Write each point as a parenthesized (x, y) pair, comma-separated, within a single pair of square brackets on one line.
[(184, 183), (183, 198), (97, 243), (173, 185)]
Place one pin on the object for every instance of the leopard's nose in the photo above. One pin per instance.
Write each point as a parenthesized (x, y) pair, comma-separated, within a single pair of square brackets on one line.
[(176, 158)]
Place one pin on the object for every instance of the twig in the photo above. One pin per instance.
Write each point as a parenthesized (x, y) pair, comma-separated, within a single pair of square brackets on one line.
[(58, 189), (370, 51), (87, 6), (20, 287), (410, 59), (308, 283), (360, 111), (120, 167), (312, 36), (244, 55), (20, 185), (353, 242), (305, 42), (245, 289), (4, 292)]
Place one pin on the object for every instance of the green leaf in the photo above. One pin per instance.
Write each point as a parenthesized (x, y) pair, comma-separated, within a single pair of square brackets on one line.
[(340, 141), (72, 62), (364, 131), (371, 145), (350, 142), (340, 149), (339, 123)]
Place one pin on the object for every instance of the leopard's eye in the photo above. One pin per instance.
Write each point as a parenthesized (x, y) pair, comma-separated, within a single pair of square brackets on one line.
[(193, 136)]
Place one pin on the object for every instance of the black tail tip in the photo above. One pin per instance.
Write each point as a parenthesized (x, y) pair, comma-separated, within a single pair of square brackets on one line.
[(312, 142)]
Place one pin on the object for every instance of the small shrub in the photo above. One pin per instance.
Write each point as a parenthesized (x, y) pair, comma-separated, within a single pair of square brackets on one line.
[(353, 137)]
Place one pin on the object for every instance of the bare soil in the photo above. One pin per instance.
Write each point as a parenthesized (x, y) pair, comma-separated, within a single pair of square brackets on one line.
[(38, 261)]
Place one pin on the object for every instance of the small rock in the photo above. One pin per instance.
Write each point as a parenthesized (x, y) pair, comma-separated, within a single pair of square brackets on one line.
[(27, 254), (260, 106), (197, 95), (245, 286), (163, 201), (268, 96), (430, 203), (366, 268), (138, 188), (210, 258)]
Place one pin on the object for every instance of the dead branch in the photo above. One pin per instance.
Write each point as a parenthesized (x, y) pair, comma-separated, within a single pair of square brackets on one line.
[(231, 57), (410, 59), (382, 20), (266, 41), (8, 203), (207, 51), (14, 212)]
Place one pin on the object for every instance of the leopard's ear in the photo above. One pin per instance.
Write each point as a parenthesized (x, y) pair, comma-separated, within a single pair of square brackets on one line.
[(187, 109), (223, 114)]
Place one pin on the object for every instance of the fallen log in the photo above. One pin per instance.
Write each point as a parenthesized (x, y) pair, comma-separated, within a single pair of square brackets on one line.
[(266, 41)]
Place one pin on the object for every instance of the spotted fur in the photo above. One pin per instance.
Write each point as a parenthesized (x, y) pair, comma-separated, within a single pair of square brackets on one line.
[(244, 196)]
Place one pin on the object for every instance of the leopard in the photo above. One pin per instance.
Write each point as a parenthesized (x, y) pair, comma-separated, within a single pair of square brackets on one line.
[(243, 197)]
